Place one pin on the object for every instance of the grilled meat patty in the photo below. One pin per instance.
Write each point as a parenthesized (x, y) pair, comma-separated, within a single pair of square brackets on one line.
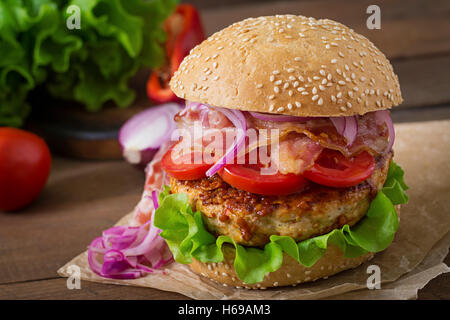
[(250, 219)]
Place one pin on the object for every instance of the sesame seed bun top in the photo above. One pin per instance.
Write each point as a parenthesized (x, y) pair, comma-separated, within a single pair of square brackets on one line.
[(291, 65)]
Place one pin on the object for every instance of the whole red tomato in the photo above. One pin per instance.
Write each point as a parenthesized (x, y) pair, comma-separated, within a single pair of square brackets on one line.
[(25, 163)]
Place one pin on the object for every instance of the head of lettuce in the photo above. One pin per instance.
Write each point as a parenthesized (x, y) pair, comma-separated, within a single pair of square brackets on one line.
[(90, 65)]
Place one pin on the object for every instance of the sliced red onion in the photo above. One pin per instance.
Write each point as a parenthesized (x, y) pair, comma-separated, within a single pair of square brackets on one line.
[(384, 116), (142, 135), (339, 124), (238, 119), (155, 200), (128, 252), (347, 127), (279, 117), (351, 129)]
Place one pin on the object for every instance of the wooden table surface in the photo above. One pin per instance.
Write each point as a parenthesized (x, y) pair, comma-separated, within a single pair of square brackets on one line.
[(34, 243)]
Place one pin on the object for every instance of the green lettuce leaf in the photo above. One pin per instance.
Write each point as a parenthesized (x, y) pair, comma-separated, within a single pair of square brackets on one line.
[(188, 238), (91, 65)]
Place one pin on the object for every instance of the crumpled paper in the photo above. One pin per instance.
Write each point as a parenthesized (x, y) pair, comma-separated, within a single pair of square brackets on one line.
[(413, 259)]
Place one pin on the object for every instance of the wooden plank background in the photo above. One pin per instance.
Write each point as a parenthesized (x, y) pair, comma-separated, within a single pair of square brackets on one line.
[(415, 35)]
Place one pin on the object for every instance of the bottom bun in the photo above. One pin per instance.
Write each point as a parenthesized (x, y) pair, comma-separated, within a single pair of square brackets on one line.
[(291, 272)]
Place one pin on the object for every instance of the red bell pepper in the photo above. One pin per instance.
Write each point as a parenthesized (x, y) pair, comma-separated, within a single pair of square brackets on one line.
[(184, 31)]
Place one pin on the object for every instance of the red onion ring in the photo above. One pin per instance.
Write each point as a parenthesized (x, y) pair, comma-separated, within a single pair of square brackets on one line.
[(238, 119), (144, 133), (126, 249), (347, 127), (384, 116)]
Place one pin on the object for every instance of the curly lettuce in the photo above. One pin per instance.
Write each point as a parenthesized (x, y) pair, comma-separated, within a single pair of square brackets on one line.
[(187, 237), (90, 65)]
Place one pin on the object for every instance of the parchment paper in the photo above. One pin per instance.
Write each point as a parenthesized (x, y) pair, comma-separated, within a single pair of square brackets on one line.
[(413, 259)]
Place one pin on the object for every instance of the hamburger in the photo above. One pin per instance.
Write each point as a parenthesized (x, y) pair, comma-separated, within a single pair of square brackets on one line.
[(316, 191)]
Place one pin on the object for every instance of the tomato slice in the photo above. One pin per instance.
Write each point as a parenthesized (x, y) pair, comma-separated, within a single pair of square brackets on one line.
[(249, 178), (332, 169), (183, 167)]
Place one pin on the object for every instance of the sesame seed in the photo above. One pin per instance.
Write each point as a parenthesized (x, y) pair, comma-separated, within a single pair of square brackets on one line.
[(320, 102), (272, 78), (276, 89), (220, 48), (300, 89), (216, 78), (298, 104), (301, 35), (275, 72), (215, 64), (327, 46), (342, 83), (271, 107), (290, 70), (349, 105), (333, 61), (271, 97), (278, 82), (292, 78), (350, 94), (297, 59), (301, 79), (259, 86), (275, 284), (314, 90), (280, 109), (291, 93), (315, 97), (339, 94), (289, 106), (343, 109), (333, 98), (305, 93)]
